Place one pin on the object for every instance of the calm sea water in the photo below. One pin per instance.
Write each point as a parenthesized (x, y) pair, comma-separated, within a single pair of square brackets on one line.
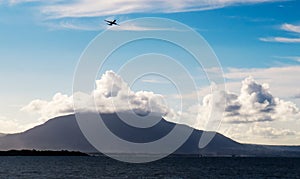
[(172, 167)]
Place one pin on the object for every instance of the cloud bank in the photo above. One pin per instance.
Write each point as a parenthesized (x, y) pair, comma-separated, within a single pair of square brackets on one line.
[(111, 95), (271, 132), (255, 103), (252, 110), (282, 79)]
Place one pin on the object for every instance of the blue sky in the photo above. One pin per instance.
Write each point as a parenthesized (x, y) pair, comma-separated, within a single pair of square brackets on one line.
[(41, 42), (30, 46)]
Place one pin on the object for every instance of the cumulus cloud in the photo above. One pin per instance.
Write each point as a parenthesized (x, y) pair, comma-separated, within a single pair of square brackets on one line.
[(59, 105), (255, 103), (111, 95), (282, 79), (255, 115), (243, 113)]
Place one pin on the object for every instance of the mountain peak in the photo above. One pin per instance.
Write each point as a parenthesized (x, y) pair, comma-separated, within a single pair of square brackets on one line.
[(63, 133)]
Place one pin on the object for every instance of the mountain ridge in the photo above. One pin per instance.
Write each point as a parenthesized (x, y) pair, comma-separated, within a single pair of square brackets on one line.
[(63, 133)]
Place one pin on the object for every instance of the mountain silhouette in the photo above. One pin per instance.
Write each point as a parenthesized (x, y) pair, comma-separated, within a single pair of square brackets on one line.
[(63, 133)]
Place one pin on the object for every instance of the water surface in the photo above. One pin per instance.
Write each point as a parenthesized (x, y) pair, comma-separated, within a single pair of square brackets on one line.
[(171, 167)]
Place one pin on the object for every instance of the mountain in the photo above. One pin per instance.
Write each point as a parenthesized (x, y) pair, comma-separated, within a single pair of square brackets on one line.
[(63, 133)]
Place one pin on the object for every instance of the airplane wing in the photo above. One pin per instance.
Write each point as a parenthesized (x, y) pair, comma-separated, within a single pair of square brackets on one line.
[(109, 22)]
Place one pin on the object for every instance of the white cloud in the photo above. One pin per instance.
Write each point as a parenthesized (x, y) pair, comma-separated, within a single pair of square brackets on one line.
[(280, 39), (256, 116), (291, 28), (284, 85), (140, 27), (254, 104), (254, 111), (59, 105), (270, 132), (261, 133), (96, 25), (282, 79), (252, 114), (17, 2), (14, 2), (111, 95), (68, 11), (155, 81), (8, 125), (90, 8), (76, 26)]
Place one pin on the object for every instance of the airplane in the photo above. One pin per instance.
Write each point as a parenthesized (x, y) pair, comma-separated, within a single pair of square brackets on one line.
[(111, 22)]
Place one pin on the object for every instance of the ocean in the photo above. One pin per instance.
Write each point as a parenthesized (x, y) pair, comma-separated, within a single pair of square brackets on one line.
[(171, 167)]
